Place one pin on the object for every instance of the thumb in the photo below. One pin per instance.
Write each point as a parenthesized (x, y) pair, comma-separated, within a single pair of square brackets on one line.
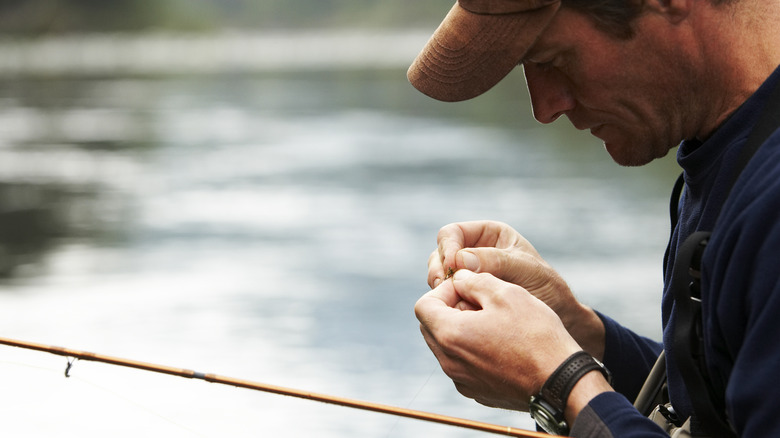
[(471, 287), (486, 259), (479, 290), (526, 269)]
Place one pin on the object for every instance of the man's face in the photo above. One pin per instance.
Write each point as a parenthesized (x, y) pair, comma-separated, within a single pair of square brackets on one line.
[(623, 91)]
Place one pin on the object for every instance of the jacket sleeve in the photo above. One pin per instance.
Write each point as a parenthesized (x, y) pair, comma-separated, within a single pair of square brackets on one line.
[(628, 356), (612, 415)]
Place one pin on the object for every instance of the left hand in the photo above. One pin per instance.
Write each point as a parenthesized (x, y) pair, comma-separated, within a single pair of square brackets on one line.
[(496, 248), (496, 341)]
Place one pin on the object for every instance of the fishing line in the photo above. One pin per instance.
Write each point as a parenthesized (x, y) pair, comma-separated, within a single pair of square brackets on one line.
[(409, 405)]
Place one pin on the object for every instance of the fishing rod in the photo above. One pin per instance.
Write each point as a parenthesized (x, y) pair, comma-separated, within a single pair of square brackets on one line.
[(241, 383)]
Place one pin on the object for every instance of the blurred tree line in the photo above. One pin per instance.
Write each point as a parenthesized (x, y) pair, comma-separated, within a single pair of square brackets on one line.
[(41, 17)]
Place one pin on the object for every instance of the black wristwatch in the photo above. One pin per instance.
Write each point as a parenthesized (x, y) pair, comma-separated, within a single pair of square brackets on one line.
[(548, 406)]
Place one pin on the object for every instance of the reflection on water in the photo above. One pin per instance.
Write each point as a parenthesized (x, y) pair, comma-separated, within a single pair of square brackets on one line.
[(275, 226)]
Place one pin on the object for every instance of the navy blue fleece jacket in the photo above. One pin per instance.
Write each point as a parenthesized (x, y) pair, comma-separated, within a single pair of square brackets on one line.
[(740, 289)]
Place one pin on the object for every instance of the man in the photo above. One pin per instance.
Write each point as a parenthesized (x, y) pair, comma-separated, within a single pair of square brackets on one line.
[(643, 76)]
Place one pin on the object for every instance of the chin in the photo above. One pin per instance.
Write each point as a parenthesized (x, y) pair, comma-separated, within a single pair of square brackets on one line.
[(629, 155)]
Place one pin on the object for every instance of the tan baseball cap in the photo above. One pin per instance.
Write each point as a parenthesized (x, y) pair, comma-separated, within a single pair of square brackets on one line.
[(478, 44)]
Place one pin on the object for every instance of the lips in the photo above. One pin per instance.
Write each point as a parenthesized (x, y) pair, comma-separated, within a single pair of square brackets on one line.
[(581, 124)]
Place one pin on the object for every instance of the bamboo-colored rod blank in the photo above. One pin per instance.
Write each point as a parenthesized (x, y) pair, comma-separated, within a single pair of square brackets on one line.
[(241, 383)]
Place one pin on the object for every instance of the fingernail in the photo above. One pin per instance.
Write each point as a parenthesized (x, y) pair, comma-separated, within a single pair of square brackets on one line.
[(436, 282), (469, 260)]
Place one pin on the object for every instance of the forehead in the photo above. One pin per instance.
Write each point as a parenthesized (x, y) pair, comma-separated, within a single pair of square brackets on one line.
[(568, 30)]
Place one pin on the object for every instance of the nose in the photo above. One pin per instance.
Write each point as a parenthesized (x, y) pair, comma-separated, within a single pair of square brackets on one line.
[(551, 95)]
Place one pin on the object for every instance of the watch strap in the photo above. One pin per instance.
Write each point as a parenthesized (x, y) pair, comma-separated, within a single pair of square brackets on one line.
[(560, 383)]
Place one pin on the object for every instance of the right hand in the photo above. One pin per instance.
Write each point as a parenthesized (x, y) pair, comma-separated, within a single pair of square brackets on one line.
[(499, 353)]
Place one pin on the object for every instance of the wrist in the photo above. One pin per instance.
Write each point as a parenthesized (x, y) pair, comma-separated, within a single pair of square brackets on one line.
[(585, 326), (590, 386), (567, 391)]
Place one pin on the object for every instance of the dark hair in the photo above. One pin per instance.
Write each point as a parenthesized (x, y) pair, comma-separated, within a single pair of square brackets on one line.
[(614, 17)]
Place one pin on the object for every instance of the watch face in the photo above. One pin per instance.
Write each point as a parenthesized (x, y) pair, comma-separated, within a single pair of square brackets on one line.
[(547, 417)]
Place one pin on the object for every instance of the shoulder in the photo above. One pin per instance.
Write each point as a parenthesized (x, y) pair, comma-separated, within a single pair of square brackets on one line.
[(757, 189), (741, 294), (756, 194), (741, 258)]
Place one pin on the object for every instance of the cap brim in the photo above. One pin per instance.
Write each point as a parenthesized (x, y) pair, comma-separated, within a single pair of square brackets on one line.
[(470, 53)]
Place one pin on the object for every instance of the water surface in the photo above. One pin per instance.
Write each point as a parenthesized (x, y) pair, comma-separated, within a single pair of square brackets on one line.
[(274, 224)]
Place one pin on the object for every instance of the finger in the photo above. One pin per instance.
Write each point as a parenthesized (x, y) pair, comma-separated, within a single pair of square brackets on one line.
[(434, 312), (467, 283), (433, 344), (478, 233), (465, 305), (466, 391), (450, 240), (450, 363), (451, 297), (479, 290), (454, 237), (525, 268), (435, 270), (437, 304)]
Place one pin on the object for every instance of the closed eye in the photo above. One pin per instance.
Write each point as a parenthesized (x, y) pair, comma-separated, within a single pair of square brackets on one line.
[(545, 66), (541, 65), (542, 62)]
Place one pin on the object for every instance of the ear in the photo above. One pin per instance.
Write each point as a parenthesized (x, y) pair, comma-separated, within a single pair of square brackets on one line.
[(674, 10)]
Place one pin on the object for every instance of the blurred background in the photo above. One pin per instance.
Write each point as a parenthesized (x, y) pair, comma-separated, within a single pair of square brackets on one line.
[(252, 188)]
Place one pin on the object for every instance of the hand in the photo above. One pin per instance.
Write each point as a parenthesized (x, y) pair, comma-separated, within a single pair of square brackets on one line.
[(502, 352), (496, 248)]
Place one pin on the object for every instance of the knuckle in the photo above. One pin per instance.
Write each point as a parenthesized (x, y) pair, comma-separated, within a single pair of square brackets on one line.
[(449, 340), (482, 279), (445, 231), (446, 339)]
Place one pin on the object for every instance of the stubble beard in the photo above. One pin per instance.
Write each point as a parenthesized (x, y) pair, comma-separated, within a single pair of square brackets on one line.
[(633, 154)]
